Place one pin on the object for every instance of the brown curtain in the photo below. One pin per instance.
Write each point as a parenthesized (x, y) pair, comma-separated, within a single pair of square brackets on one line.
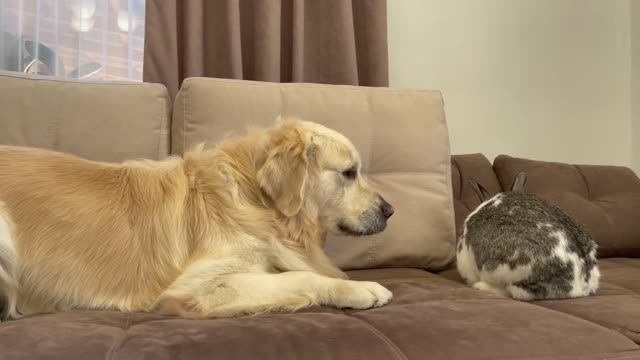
[(322, 41)]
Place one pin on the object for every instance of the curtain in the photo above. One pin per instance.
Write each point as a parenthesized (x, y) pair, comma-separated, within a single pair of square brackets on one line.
[(99, 39), (322, 41)]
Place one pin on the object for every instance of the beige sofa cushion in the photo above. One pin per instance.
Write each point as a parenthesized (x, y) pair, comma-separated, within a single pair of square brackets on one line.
[(401, 135), (108, 121)]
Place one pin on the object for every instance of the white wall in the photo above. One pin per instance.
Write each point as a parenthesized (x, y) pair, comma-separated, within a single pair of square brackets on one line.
[(543, 79), (635, 83)]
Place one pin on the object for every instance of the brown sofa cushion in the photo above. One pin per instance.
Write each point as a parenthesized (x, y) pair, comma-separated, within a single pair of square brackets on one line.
[(464, 168), (107, 121), (401, 135), (429, 318), (606, 199), (615, 306)]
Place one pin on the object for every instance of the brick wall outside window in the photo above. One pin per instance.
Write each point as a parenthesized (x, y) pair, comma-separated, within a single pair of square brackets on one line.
[(80, 32)]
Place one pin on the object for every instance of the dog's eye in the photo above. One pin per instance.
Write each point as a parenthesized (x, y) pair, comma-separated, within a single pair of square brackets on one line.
[(350, 173)]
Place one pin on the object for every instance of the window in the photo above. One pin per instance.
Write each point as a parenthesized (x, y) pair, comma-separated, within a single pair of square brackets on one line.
[(96, 39)]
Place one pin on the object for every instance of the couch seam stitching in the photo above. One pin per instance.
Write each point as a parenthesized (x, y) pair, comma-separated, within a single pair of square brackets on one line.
[(382, 336), (184, 119), (617, 327), (461, 177), (375, 244), (598, 323), (162, 122), (586, 184), (573, 356), (620, 264), (118, 341), (52, 133), (448, 179), (76, 81), (604, 323), (358, 88)]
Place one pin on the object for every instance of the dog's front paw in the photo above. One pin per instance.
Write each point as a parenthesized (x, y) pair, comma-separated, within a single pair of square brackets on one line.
[(361, 295)]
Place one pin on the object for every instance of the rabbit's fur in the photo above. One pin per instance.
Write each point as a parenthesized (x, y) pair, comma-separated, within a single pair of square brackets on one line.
[(519, 245)]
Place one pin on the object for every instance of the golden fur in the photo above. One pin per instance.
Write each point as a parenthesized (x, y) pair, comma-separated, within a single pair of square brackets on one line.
[(237, 229)]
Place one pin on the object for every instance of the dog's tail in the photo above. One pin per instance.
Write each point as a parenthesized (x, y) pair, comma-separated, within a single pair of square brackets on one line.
[(8, 282)]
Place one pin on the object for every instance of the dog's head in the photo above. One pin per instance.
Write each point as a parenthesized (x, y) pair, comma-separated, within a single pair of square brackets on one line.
[(308, 167)]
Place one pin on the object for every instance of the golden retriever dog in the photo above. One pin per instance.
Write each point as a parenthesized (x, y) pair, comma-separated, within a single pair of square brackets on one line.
[(233, 230)]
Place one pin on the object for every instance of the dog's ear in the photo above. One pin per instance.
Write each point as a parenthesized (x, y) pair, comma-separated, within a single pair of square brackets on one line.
[(284, 171)]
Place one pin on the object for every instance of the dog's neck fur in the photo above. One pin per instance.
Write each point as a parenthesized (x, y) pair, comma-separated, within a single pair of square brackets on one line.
[(231, 167)]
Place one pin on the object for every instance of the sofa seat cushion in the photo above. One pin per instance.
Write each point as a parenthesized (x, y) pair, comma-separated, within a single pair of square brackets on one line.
[(616, 305), (605, 199), (401, 136), (430, 317)]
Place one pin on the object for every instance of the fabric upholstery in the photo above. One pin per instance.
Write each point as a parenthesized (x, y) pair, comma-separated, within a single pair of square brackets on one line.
[(429, 318), (329, 41), (401, 136), (606, 199), (616, 304), (467, 167), (107, 121)]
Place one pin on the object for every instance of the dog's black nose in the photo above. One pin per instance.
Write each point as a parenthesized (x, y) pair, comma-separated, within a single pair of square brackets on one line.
[(386, 208)]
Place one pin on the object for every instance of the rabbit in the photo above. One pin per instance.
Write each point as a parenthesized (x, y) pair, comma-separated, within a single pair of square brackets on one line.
[(518, 245)]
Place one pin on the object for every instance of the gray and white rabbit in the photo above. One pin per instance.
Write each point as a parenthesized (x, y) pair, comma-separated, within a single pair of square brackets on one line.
[(518, 245)]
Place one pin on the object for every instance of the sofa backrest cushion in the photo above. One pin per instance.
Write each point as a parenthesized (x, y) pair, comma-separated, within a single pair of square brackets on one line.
[(606, 199), (401, 135), (107, 121)]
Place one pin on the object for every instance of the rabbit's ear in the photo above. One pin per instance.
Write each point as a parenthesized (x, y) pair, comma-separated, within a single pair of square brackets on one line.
[(482, 193), (519, 182)]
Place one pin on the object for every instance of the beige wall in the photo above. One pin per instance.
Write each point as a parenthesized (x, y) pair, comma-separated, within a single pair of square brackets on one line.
[(544, 79), (635, 83)]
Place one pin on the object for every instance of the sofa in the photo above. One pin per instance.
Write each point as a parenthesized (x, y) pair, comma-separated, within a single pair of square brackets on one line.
[(403, 140)]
